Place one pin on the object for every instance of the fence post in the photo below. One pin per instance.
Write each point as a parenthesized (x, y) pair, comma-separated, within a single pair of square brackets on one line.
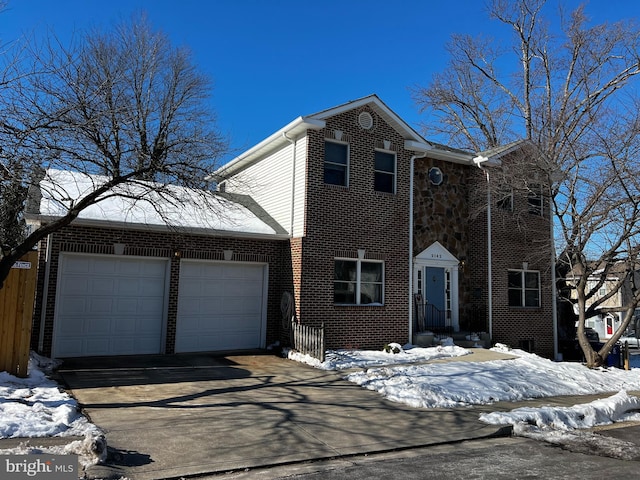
[(16, 311)]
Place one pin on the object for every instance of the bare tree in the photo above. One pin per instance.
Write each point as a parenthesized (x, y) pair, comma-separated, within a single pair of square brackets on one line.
[(572, 93), (124, 108)]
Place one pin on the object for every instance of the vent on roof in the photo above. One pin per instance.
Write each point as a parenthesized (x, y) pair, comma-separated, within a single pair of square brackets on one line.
[(365, 120)]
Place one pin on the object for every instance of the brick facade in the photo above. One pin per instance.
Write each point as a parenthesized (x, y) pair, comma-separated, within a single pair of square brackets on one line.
[(517, 237), (341, 220), (160, 245)]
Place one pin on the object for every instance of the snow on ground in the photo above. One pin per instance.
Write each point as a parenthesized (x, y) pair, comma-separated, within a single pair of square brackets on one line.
[(36, 406), (528, 376)]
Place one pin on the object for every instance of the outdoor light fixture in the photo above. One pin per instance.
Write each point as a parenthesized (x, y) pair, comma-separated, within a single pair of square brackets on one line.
[(228, 255), (118, 248), (6, 250)]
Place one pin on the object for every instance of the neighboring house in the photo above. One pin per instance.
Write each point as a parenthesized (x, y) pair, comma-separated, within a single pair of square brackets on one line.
[(375, 233), (607, 323)]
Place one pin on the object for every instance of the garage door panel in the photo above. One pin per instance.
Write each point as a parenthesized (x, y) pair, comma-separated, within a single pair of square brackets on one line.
[(101, 286), (220, 306), (103, 265), (76, 265), (72, 305), (109, 305), (97, 326)]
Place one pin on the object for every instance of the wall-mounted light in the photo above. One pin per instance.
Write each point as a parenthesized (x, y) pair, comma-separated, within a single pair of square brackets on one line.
[(361, 252), (227, 255), (118, 248), (177, 253)]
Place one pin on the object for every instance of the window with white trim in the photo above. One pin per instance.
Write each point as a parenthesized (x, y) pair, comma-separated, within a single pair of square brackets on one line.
[(358, 282), (336, 163), (535, 200), (384, 172), (524, 288)]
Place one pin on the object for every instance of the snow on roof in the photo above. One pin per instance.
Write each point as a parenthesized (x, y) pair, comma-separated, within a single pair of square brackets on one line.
[(146, 203)]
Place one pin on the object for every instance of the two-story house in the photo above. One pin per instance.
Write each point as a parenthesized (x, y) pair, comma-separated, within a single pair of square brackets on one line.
[(372, 231)]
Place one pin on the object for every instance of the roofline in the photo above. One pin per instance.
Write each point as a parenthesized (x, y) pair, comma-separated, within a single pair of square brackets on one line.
[(90, 222), (294, 128)]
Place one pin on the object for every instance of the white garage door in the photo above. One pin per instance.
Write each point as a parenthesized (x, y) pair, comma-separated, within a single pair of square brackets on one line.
[(221, 306), (109, 305)]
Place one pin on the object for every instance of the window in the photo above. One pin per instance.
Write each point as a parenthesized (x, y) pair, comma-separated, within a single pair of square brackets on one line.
[(385, 172), (358, 282), (336, 163), (435, 176), (524, 288), (505, 197), (535, 200)]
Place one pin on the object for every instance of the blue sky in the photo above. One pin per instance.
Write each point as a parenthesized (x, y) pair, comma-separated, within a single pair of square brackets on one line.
[(272, 61)]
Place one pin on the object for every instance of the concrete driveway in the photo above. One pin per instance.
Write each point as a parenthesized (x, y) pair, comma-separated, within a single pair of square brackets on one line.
[(175, 415)]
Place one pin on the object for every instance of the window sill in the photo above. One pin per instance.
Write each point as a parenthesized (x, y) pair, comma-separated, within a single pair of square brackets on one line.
[(350, 305)]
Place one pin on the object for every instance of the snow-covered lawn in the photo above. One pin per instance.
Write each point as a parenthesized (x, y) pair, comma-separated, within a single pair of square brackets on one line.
[(405, 377), (36, 407)]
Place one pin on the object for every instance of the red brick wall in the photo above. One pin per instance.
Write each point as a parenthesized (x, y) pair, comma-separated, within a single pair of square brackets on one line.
[(517, 237), (143, 243), (341, 220)]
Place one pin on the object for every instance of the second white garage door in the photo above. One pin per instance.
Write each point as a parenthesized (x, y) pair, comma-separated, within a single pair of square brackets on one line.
[(221, 306)]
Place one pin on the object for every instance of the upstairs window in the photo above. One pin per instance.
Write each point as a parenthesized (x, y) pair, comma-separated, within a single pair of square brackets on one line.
[(535, 200), (385, 172), (336, 163), (358, 282), (524, 288), (505, 197)]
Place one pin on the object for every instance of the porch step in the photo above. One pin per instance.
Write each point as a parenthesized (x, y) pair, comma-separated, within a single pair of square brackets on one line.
[(460, 339)]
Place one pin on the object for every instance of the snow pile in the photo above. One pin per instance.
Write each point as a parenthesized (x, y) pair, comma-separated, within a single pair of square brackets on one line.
[(619, 407), (346, 359), (456, 384), (558, 425), (35, 406)]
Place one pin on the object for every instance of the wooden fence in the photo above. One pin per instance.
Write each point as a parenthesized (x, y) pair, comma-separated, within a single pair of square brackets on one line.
[(16, 311), (309, 340)]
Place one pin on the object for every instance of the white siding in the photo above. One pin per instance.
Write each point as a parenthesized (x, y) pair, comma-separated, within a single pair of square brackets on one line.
[(270, 182)]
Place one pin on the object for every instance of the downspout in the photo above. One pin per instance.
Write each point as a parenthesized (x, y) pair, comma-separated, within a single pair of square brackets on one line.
[(293, 181), (411, 175), (479, 161), (45, 294), (554, 292)]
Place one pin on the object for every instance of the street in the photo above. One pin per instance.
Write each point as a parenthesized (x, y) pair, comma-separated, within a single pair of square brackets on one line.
[(496, 458)]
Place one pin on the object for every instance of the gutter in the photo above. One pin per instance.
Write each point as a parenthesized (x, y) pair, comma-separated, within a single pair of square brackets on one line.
[(299, 125), (45, 294), (423, 149), (89, 222), (479, 162)]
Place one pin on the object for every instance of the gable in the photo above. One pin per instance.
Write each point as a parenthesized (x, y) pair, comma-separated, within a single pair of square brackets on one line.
[(436, 254)]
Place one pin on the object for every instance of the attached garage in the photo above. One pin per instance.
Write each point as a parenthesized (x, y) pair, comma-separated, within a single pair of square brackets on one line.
[(109, 305), (221, 306)]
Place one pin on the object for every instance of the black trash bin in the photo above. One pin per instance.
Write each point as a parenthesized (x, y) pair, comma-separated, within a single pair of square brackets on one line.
[(614, 359)]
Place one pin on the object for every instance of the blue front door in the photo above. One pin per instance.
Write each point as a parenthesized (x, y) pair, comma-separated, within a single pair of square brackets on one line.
[(434, 294)]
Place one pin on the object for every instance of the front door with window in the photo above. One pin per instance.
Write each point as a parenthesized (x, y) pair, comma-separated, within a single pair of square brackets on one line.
[(435, 279), (434, 295)]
